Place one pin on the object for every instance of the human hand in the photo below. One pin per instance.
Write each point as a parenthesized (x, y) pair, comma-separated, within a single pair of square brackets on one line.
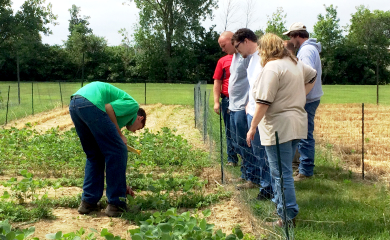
[(124, 139), (130, 191), (216, 108), (250, 136)]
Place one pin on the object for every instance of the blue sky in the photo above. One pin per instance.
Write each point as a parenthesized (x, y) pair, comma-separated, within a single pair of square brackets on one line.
[(108, 17)]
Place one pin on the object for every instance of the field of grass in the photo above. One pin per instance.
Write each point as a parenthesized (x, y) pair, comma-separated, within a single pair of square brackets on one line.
[(47, 95)]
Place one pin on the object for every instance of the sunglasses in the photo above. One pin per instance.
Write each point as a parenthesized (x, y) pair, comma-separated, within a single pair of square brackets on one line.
[(236, 46)]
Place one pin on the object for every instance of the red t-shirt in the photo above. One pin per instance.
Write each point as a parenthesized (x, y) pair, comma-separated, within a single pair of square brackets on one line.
[(222, 72)]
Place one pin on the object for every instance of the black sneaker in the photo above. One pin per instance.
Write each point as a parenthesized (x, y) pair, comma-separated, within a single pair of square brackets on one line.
[(86, 208)]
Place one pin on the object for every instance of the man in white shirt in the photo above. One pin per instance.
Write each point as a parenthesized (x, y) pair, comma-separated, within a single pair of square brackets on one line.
[(258, 171)]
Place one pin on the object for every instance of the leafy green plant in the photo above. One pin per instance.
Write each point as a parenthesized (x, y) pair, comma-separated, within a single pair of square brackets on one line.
[(23, 189), (171, 225), (7, 233), (80, 235)]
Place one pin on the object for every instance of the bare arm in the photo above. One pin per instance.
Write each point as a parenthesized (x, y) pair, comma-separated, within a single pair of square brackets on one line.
[(309, 87), (217, 94), (260, 111), (111, 113)]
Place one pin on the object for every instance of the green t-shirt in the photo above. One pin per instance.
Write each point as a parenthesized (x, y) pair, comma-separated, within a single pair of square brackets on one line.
[(100, 93)]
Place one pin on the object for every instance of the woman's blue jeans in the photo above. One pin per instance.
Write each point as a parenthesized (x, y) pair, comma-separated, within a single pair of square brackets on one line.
[(105, 150), (287, 151)]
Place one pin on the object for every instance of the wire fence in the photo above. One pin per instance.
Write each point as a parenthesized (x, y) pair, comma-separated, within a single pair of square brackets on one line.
[(254, 166), (356, 135)]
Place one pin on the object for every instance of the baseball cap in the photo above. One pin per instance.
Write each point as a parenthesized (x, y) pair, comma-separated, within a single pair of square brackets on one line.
[(298, 26)]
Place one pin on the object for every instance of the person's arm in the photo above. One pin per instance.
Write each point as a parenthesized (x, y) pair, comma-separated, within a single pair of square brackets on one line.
[(111, 113), (217, 94), (260, 111), (309, 86)]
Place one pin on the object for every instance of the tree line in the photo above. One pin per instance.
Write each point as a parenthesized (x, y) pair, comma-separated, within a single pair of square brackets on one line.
[(170, 44)]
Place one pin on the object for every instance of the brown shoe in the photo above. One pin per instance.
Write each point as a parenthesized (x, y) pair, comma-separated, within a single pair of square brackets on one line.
[(301, 177), (296, 172), (247, 185), (86, 208), (114, 211)]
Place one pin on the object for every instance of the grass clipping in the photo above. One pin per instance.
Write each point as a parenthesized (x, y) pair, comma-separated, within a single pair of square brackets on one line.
[(339, 127)]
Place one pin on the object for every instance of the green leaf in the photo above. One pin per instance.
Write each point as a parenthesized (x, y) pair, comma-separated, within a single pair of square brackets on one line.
[(10, 236), (76, 238), (166, 236), (207, 213), (6, 195), (19, 236), (58, 235), (231, 237), (136, 237), (93, 230), (203, 224), (178, 229), (134, 231), (51, 236), (239, 233), (165, 227)]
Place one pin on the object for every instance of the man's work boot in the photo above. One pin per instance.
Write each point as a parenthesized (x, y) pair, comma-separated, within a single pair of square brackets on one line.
[(301, 177), (86, 208), (115, 211), (247, 185)]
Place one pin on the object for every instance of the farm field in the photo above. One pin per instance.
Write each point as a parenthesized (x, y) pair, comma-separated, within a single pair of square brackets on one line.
[(169, 173), (359, 210)]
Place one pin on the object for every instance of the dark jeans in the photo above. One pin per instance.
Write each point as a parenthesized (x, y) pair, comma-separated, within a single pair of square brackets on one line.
[(104, 149), (231, 152), (306, 147), (260, 169), (239, 129)]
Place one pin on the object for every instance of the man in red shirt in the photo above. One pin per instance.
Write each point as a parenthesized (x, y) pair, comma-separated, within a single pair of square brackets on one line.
[(221, 83)]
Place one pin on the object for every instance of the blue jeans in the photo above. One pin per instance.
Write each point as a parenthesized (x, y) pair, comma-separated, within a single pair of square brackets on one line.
[(261, 168), (306, 147), (231, 152), (287, 152), (104, 149), (238, 130)]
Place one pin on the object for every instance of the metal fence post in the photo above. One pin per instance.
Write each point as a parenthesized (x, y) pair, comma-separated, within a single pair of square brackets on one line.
[(62, 102), (220, 138), (32, 97), (6, 113), (363, 141)]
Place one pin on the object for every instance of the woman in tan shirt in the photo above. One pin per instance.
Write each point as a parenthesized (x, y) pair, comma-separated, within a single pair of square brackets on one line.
[(280, 94)]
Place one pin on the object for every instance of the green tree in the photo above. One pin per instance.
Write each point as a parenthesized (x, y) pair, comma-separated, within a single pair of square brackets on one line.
[(328, 33), (276, 23), (169, 25), (22, 30), (370, 32)]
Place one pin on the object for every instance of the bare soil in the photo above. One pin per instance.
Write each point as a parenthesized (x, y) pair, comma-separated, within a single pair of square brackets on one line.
[(225, 215)]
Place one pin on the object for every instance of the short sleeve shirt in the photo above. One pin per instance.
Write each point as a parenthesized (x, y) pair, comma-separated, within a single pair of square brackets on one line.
[(281, 85), (253, 71), (222, 72), (238, 83), (100, 93)]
